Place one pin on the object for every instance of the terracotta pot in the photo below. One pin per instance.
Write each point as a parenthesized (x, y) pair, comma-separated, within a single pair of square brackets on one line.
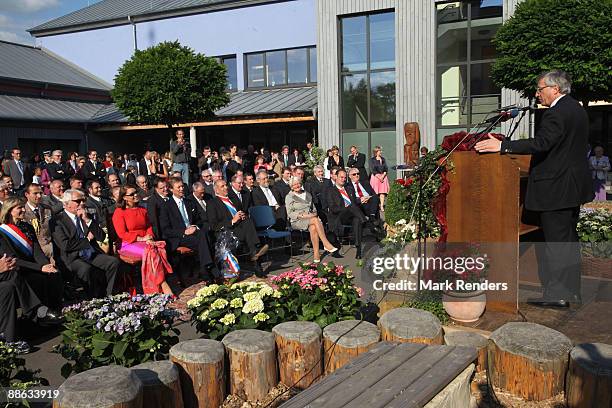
[(464, 307)]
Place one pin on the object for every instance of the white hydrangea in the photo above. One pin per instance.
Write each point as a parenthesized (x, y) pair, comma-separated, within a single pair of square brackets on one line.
[(251, 296), (266, 291), (253, 306), (204, 315), (237, 302), (261, 317), (208, 291), (228, 319), (219, 304)]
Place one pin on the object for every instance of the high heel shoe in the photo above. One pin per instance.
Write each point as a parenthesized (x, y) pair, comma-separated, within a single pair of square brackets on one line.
[(332, 250), (316, 261)]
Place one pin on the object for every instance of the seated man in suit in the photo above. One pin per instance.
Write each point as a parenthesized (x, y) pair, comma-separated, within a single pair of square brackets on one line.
[(206, 178), (317, 186), (367, 199), (344, 209), (53, 201), (112, 181), (155, 203), (238, 192), (199, 197), (229, 214), (96, 204), (264, 195), (181, 225), (76, 236), (282, 185), (38, 217)]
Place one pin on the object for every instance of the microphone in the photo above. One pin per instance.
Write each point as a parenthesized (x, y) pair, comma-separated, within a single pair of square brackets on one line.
[(503, 116)]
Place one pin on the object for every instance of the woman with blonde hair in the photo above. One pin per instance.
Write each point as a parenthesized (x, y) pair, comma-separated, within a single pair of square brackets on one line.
[(157, 167), (302, 215), (378, 179)]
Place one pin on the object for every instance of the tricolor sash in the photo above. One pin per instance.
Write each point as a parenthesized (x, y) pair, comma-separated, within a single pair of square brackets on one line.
[(18, 238), (229, 205), (233, 268), (345, 197)]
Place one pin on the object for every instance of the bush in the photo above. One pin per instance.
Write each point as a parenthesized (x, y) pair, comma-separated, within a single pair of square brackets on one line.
[(118, 329), (396, 204), (322, 293), (218, 309), (431, 302), (595, 231)]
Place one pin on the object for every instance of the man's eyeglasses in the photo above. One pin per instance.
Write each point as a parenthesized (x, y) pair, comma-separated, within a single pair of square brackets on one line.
[(354, 174), (540, 88), (79, 200)]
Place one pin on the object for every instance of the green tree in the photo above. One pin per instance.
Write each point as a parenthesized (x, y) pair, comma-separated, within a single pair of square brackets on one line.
[(170, 84), (572, 35)]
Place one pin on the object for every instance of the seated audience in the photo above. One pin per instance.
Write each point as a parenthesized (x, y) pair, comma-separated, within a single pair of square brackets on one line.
[(302, 215), (239, 193), (181, 226), (155, 203), (367, 199), (96, 204), (5, 191), (135, 232), (282, 185), (18, 240), (344, 209), (317, 186), (143, 187), (249, 182), (53, 201), (76, 237), (229, 214), (38, 217), (264, 195), (199, 197)]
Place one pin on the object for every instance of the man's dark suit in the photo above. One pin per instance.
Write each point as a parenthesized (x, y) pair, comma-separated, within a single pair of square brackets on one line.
[(202, 214), (20, 178), (370, 208), (232, 167), (60, 171), (91, 271), (293, 159), (317, 189), (220, 217), (245, 198), (101, 208), (282, 188), (280, 213), (209, 189), (51, 202), (94, 172), (154, 205), (358, 163), (559, 182), (339, 214), (173, 232)]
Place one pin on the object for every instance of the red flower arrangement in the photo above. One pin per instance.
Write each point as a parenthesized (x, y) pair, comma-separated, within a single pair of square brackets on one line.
[(455, 139)]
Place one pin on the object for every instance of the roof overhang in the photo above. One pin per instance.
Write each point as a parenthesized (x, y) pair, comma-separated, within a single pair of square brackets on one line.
[(140, 18)]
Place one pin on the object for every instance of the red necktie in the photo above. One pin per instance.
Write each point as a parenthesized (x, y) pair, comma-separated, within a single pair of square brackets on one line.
[(358, 189)]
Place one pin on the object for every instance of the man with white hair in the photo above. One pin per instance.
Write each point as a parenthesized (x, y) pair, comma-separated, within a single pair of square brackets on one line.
[(143, 187), (206, 178), (264, 195), (5, 191), (76, 236), (316, 186), (559, 182)]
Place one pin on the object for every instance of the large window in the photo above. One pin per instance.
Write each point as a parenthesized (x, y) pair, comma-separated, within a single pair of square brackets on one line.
[(295, 66), (232, 71), (464, 55), (367, 81)]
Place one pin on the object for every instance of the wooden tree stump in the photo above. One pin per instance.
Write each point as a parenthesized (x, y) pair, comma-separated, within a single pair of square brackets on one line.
[(298, 346), (408, 325), (252, 363), (469, 339), (528, 360), (589, 380), (160, 383), (102, 387), (360, 339), (201, 370)]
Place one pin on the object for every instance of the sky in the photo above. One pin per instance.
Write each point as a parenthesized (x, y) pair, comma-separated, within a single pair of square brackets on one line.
[(16, 16)]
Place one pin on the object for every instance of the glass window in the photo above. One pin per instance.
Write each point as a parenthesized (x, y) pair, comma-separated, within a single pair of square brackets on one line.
[(382, 99), (354, 44), (313, 64), (255, 70), (387, 140), (452, 95), (232, 72), (297, 66), (355, 101), (452, 33), (382, 41), (481, 33), (275, 68), (486, 9)]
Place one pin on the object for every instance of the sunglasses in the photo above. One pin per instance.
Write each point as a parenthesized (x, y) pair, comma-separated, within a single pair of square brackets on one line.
[(130, 195), (79, 200)]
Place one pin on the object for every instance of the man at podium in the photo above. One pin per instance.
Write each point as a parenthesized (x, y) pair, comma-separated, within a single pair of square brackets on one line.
[(558, 184)]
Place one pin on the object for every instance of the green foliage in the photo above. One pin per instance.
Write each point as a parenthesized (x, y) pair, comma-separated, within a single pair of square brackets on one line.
[(13, 372), (322, 293), (430, 301), (318, 156), (118, 329), (396, 204), (595, 232), (170, 84), (571, 35)]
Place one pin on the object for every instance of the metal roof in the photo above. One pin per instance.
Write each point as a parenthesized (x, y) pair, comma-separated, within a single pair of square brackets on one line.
[(26, 63), (245, 103), (109, 13), (47, 110)]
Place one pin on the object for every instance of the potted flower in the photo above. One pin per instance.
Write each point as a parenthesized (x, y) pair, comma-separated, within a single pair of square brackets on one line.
[(461, 301)]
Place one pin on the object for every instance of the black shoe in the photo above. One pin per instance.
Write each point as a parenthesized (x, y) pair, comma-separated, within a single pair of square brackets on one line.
[(544, 302), (358, 253)]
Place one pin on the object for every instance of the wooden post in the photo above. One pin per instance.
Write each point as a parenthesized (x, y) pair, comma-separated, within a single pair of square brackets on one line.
[(103, 387), (160, 383), (252, 363), (353, 338), (298, 347), (469, 339), (589, 380), (201, 364), (528, 360), (409, 325)]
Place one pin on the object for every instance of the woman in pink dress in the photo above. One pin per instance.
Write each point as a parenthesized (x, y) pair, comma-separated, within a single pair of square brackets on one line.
[(379, 180), (135, 232)]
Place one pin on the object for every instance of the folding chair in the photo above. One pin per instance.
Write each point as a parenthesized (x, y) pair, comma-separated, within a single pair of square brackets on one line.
[(263, 217)]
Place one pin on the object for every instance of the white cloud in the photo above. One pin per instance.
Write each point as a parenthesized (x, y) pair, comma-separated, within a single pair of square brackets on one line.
[(8, 36), (27, 6)]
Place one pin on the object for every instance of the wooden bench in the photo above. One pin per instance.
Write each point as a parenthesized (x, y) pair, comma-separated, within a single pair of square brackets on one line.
[(396, 375)]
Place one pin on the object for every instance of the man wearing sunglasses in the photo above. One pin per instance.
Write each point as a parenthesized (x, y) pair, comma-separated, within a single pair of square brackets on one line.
[(559, 182), (76, 236)]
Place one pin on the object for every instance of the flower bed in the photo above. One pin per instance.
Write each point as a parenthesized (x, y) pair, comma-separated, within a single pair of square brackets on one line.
[(13, 373), (322, 293), (121, 329)]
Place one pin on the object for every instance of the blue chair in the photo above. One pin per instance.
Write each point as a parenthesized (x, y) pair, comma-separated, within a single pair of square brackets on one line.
[(264, 220)]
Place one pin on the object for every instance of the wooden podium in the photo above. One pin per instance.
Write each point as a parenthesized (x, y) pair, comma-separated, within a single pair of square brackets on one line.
[(485, 205)]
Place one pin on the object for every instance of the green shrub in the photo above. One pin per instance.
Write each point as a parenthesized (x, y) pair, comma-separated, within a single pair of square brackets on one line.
[(430, 301)]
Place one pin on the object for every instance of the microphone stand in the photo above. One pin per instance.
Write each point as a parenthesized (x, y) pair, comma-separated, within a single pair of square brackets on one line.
[(509, 137)]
